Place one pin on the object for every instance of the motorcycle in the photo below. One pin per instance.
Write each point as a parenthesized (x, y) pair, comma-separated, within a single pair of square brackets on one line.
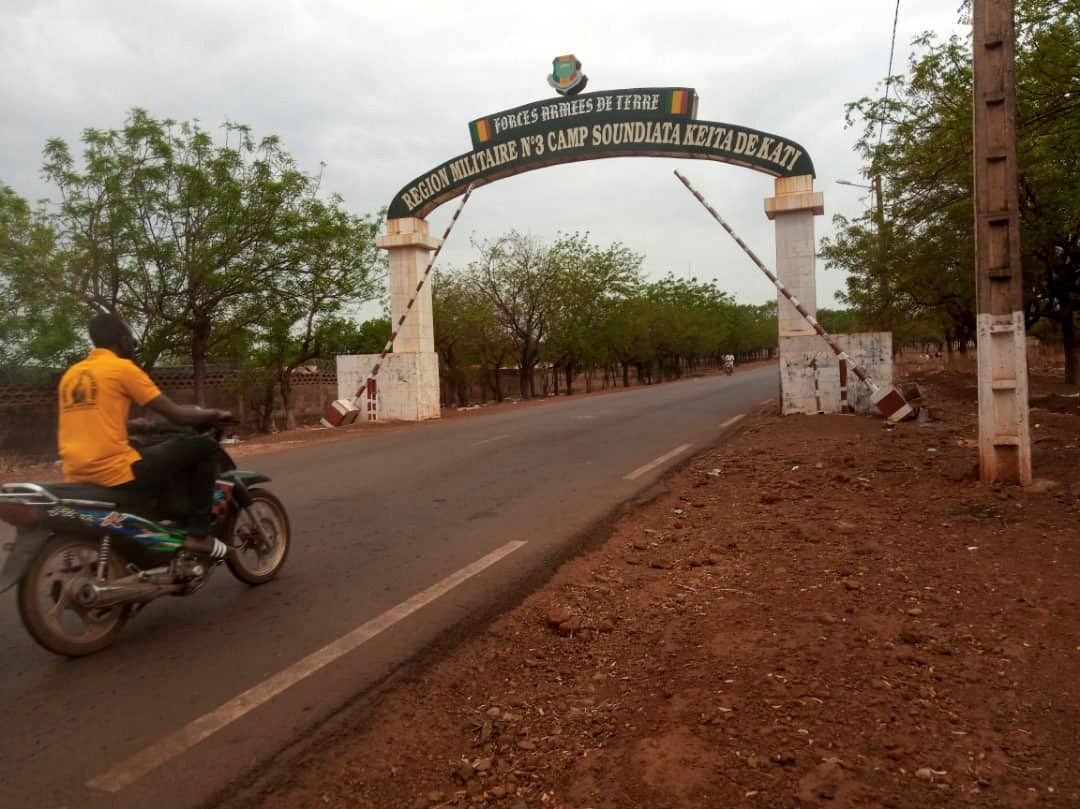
[(87, 559), (729, 367)]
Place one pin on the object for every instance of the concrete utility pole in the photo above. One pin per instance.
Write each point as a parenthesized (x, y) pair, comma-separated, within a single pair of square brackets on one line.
[(1004, 438)]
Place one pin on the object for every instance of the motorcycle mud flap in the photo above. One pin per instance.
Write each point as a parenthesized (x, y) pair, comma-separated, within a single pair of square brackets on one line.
[(241, 480), (27, 542)]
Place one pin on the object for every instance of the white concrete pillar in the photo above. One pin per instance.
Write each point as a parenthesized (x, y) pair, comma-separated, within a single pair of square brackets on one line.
[(792, 211), (802, 351), (408, 384), (408, 243)]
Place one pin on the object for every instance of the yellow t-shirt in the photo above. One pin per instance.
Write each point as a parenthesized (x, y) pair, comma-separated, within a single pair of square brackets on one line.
[(95, 399)]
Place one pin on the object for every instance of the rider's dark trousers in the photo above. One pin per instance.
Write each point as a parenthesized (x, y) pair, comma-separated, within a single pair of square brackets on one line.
[(187, 463)]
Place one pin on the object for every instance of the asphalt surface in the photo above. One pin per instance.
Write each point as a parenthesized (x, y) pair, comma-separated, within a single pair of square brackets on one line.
[(158, 720)]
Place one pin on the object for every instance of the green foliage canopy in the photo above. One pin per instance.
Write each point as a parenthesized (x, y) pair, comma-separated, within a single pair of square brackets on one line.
[(910, 259)]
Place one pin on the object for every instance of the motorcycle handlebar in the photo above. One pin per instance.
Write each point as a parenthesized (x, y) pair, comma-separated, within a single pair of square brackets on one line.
[(160, 429)]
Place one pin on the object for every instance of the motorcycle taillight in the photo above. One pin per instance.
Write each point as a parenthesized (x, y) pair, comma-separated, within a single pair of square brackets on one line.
[(19, 513)]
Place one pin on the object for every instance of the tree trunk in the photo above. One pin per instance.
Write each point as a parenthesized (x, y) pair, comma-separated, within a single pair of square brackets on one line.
[(1072, 355), (265, 407), (528, 377), (569, 379), (287, 400), (448, 389), (200, 343), (626, 374), (461, 388)]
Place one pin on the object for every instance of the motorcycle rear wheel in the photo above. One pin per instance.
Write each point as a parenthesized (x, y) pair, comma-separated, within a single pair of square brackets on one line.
[(47, 597), (250, 559)]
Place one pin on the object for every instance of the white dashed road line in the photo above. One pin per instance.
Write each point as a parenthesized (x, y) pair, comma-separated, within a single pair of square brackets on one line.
[(152, 757), (489, 440), (667, 456)]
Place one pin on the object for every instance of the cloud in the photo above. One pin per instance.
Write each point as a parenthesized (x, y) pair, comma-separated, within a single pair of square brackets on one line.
[(382, 91)]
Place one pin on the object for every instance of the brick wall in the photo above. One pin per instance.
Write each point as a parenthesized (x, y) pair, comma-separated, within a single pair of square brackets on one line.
[(28, 412)]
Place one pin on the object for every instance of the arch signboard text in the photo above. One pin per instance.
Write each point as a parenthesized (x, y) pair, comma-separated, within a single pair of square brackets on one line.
[(641, 122)]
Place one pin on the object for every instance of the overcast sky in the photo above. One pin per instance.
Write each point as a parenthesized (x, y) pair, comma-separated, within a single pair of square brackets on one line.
[(383, 91)]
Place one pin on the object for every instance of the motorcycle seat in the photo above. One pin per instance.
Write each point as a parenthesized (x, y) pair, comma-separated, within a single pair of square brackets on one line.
[(93, 492)]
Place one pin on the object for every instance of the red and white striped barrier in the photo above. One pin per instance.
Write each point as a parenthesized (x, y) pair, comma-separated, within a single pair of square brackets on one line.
[(889, 401), (343, 411)]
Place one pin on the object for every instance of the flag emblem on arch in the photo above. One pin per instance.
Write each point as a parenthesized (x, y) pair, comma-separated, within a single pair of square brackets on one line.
[(482, 130)]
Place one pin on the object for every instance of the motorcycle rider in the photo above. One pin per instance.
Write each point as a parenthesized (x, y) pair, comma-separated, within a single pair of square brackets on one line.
[(95, 399), (729, 361)]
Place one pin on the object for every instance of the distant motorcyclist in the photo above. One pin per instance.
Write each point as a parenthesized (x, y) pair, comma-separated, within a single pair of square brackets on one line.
[(729, 363), (96, 395)]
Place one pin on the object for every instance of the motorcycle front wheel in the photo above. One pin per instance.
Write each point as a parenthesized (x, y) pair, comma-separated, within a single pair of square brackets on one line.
[(256, 558), (48, 603)]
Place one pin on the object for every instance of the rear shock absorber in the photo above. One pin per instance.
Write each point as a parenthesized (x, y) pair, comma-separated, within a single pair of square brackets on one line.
[(103, 557)]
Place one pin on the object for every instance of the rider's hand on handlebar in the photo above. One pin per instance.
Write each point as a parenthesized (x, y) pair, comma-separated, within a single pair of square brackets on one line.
[(220, 416)]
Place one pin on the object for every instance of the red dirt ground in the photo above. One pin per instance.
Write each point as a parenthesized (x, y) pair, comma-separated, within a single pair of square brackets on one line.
[(822, 611)]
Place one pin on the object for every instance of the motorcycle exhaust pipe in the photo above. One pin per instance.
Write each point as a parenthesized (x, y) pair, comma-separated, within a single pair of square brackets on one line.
[(96, 595)]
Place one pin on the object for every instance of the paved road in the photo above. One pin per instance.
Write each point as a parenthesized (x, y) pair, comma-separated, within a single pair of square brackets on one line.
[(386, 527)]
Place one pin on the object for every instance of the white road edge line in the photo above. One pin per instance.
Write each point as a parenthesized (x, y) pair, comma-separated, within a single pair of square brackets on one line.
[(667, 456), (731, 421), (152, 757), (489, 440)]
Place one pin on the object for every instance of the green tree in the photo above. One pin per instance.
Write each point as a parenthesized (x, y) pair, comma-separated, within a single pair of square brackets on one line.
[(468, 335), (692, 321), (451, 303), (38, 330), (625, 335), (588, 282), (175, 232), (911, 268), (583, 307), (1048, 119), (333, 264), (911, 255), (836, 321), (515, 276), (757, 328), (369, 337)]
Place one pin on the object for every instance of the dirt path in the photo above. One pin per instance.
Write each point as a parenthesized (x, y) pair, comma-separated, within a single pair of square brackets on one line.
[(822, 612)]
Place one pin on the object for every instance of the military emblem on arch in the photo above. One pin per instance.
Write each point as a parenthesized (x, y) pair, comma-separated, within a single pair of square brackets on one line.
[(566, 76)]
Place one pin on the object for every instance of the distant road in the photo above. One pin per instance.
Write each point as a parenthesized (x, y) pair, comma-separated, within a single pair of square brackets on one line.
[(399, 535)]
